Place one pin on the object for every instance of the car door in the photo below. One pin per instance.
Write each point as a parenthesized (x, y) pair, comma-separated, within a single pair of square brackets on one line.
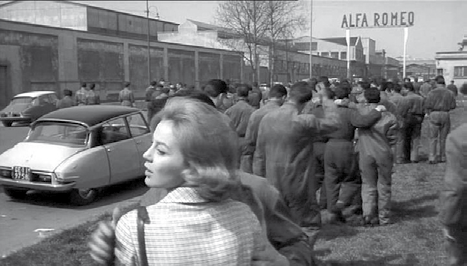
[(141, 135), (121, 150)]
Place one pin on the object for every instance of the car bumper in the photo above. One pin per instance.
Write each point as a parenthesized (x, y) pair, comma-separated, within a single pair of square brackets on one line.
[(37, 186), (15, 119)]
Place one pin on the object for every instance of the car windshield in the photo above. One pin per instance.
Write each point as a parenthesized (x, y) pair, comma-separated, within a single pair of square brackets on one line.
[(59, 133), (21, 100)]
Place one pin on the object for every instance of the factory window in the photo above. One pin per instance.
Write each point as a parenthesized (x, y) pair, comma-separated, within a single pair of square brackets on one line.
[(460, 71), (343, 55), (335, 55), (324, 54), (439, 71)]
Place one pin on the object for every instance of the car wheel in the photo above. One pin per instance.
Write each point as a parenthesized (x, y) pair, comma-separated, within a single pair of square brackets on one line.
[(7, 123), (83, 196), (15, 193)]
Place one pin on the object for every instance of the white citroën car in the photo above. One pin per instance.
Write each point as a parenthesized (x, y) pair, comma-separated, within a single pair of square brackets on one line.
[(77, 150)]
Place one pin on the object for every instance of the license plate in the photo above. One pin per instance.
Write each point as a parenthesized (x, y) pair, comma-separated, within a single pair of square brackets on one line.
[(21, 173)]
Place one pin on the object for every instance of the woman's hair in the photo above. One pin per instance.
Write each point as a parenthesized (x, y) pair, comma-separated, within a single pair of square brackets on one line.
[(209, 146)]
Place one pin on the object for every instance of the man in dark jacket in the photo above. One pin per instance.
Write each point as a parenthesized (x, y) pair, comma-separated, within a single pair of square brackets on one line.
[(437, 105), (255, 96), (239, 114), (319, 144), (453, 88), (284, 151), (341, 184), (412, 115), (376, 161), (400, 103), (453, 209), (66, 101), (277, 96), (241, 111)]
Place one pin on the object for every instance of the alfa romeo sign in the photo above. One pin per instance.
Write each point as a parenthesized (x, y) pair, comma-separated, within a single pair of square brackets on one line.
[(378, 20)]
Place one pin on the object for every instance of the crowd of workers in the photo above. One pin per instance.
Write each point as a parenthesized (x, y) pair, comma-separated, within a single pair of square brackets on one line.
[(319, 145)]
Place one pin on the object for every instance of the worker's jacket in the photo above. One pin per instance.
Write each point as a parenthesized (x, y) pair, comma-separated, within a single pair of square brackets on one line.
[(377, 139), (284, 147), (439, 99), (453, 209), (350, 119), (253, 126), (240, 114)]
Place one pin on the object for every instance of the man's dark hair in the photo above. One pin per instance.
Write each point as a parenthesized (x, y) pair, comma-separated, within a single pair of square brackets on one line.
[(165, 90), (390, 85), (214, 87), (243, 90), (396, 87), (365, 85), (83, 84), (301, 92), (409, 86), (93, 85), (153, 83), (127, 84), (255, 84), (342, 91), (277, 91), (440, 80), (67, 92), (323, 79), (372, 95)]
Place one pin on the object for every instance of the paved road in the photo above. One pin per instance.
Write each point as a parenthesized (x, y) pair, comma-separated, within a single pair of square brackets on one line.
[(19, 219)]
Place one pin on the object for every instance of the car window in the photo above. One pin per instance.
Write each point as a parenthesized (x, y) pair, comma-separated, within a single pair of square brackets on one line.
[(137, 125), (35, 102), (58, 133), (44, 99), (21, 100), (52, 98), (113, 131)]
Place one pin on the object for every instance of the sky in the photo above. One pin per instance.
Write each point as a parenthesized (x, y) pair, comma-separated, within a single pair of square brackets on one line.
[(438, 24)]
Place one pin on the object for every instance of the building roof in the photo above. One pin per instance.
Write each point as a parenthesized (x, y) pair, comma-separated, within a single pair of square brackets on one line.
[(221, 31), (85, 5), (90, 115), (33, 94), (342, 40)]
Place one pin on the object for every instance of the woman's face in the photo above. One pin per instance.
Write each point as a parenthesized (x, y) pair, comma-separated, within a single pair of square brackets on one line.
[(164, 160)]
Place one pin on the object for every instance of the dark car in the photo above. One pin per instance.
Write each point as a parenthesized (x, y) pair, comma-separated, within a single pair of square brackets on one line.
[(28, 107)]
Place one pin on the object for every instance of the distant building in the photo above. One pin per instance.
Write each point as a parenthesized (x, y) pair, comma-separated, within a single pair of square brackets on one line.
[(289, 64), (70, 15), (365, 60), (453, 65)]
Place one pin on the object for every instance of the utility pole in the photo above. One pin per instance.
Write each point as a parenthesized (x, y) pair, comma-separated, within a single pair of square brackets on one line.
[(311, 39), (149, 52)]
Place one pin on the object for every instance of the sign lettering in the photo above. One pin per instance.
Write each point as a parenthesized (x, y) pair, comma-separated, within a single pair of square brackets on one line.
[(392, 19)]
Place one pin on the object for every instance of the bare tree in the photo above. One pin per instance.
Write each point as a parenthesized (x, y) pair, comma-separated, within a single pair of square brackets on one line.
[(247, 20), (284, 19)]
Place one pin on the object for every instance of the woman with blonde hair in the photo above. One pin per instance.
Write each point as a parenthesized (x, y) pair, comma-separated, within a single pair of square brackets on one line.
[(194, 157)]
